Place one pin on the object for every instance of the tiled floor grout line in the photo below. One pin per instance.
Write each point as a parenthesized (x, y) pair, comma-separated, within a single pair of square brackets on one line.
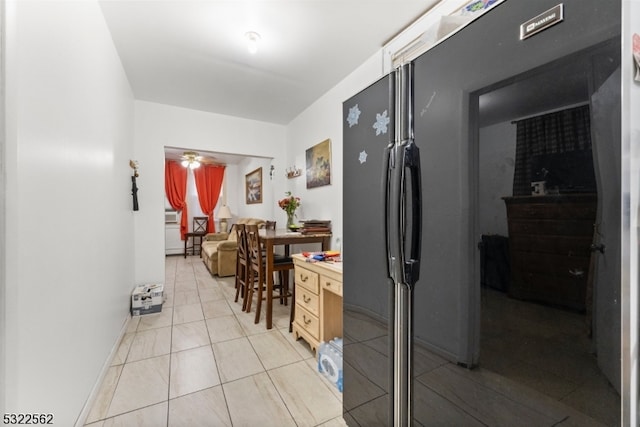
[(173, 307), (173, 290)]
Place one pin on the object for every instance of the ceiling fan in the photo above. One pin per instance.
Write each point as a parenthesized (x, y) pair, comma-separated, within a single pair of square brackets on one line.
[(191, 159)]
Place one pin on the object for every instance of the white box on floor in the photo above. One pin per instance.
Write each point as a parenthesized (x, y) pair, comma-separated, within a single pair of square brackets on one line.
[(146, 299)]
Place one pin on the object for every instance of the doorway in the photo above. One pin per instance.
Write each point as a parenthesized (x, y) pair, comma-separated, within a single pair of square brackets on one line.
[(193, 159), (536, 338)]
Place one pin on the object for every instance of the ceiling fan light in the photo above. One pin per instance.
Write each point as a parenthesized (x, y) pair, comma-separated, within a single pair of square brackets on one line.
[(185, 163), (194, 164)]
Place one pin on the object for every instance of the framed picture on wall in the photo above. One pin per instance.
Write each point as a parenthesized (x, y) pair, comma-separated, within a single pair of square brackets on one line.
[(318, 163), (253, 186)]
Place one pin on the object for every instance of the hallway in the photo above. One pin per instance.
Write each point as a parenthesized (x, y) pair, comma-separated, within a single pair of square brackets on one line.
[(203, 362)]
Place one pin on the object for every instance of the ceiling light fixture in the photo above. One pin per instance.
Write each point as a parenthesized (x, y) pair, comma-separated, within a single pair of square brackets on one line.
[(190, 159), (253, 39)]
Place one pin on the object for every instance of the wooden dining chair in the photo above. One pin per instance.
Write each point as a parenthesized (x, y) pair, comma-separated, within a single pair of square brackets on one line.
[(200, 224), (199, 230), (257, 275), (242, 265)]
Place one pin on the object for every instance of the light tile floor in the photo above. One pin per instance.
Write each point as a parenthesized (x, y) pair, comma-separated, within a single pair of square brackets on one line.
[(203, 362)]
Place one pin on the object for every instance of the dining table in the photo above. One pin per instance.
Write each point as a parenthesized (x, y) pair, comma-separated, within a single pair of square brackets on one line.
[(286, 238)]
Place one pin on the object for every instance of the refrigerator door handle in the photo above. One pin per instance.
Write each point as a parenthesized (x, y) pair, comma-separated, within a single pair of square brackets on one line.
[(392, 212), (412, 231)]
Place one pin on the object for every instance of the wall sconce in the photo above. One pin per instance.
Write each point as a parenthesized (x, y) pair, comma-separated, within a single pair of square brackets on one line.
[(271, 169), (293, 172)]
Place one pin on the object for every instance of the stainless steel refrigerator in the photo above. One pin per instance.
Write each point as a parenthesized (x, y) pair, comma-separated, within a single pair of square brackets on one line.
[(411, 169)]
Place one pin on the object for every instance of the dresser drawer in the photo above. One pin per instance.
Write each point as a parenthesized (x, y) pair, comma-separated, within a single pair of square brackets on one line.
[(308, 300), (571, 211), (550, 227), (307, 279), (561, 245), (331, 285), (308, 321)]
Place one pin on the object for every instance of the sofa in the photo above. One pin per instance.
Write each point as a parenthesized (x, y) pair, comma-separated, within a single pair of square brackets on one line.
[(219, 251)]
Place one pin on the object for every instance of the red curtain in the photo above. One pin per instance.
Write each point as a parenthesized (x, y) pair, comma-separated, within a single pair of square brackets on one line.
[(175, 185), (209, 182)]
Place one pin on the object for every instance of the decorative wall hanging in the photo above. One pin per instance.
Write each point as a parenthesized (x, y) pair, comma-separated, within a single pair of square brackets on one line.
[(253, 186), (134, 187), (318, 162), (293, 172)]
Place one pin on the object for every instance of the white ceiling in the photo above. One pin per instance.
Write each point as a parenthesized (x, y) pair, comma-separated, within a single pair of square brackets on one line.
[(193, 54)]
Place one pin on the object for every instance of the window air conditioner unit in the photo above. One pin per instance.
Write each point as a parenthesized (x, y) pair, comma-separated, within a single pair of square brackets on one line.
[(170, 217)]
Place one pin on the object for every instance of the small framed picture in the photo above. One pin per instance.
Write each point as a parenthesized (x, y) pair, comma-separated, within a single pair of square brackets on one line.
[(253, 186)]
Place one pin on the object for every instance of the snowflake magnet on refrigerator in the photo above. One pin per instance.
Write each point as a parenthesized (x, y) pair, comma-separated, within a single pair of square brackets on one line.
[(362, 157), (354, 115), (382, 120)]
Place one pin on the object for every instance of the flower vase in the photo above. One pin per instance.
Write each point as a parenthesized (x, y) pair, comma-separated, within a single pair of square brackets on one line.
[(290, 222)]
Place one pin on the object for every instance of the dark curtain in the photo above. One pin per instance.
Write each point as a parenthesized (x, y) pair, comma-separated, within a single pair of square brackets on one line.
[(560, 132)]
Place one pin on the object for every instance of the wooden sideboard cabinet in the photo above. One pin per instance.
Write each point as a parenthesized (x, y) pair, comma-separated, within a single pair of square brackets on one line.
[(550, 241), (318, 311)]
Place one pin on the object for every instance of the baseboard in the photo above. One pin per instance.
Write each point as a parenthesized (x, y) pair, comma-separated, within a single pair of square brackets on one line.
[(84, 413)]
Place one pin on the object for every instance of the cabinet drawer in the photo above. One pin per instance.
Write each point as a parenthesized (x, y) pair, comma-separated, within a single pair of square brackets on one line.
[(308, 321), (308, 300), (553, 210), (307, 279), (561, 245), (550, 227), (331, 285)]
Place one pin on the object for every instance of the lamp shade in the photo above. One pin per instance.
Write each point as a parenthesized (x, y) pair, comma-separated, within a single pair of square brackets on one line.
[(224, 212)]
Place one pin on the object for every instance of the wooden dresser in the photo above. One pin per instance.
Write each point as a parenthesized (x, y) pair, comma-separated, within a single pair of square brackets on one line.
[(549, 247), (318, 308)]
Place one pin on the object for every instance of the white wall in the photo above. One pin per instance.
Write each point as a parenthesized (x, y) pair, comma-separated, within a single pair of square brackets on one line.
[(264, 210), (69, 222), (157, 126), (497, 154), (322, 120)]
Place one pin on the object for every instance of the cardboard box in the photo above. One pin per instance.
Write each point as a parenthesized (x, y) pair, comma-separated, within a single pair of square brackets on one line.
[(147, 299)]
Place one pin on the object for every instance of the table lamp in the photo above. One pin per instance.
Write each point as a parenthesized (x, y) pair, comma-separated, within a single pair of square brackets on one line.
[(224, 214)]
